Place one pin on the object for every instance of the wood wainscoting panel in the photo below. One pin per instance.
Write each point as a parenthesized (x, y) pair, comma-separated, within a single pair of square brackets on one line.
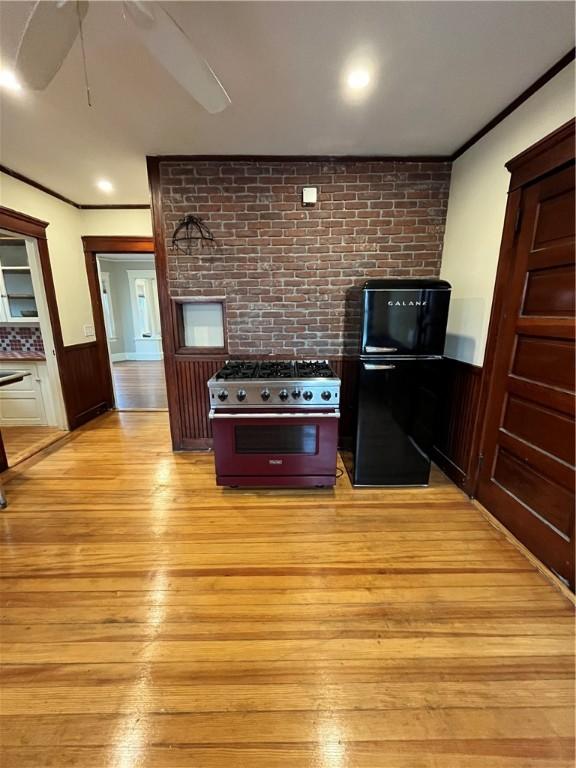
[(84, 383), (192, 375), (347, 369), (457, 415)]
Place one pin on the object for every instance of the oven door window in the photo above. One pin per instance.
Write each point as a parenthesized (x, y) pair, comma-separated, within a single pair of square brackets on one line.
[(289, 438)]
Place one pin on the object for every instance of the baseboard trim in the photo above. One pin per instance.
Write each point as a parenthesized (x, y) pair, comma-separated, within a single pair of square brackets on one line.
[(122, 357), (196, 444), (87, 415), (453, 471), (555, 580)]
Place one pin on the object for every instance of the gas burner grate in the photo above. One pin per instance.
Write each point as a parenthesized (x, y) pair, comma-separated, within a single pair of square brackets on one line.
[(313, 369), (276, 369), (238, 369)]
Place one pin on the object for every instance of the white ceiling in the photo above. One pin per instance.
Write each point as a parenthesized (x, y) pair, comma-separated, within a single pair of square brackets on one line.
[(443, 69)]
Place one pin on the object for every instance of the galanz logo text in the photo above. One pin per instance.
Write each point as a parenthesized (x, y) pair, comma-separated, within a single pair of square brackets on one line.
[(407, 303)]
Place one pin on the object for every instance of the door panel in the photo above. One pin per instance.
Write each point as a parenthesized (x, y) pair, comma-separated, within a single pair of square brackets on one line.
[(554, 219), (396, 412), (544, 428), (546, 361), (21, 403), (527, 475), (540, 495), (548, 292)]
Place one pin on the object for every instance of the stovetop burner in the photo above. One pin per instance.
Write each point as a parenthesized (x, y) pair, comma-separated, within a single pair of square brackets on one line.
[(236, 370), (317, 369), (276, 369)]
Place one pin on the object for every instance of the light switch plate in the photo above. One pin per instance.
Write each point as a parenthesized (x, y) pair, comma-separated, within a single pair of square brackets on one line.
[(309, 195), (88, 330)]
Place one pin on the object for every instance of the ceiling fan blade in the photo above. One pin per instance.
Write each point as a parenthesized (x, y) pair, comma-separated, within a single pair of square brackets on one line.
[(48, 36), (170, 45)]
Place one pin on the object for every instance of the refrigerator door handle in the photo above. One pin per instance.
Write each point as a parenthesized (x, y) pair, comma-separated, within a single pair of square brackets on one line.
[(378, 367), (380, 349)]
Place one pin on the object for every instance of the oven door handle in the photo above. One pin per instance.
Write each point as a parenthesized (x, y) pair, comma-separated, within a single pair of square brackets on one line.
[(215, 415)]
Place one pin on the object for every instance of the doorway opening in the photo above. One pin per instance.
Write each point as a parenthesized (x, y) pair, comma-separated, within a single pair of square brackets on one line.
[(123, 289), (32, 411), (129, 296)]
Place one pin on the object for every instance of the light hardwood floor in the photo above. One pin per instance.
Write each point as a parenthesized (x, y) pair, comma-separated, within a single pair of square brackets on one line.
[(152, 620), (21, 442), (140, 384)]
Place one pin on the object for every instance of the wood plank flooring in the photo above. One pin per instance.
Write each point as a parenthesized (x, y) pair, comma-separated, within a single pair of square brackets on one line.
[(140, 384), (22, 442), (151, 620)]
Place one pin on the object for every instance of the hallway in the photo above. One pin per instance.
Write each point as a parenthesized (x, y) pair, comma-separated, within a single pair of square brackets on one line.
[(140, 384), (151, 619)]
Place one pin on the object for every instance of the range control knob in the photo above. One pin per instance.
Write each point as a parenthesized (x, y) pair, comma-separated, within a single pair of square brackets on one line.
[(241, 394), (326, 395), (296, 394), (283, 394), (222, 395), (307, 395), (265, 394)]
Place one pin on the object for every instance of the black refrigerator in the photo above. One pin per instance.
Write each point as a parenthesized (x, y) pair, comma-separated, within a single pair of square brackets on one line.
[(402, 343)]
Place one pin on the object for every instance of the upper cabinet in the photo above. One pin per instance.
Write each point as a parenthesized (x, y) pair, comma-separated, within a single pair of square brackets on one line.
[(17, 299)]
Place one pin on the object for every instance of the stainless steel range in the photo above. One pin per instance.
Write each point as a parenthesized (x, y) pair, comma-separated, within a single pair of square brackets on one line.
[(275, 423)]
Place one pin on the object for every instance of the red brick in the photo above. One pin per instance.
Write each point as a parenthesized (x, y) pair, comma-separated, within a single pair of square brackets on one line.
[(285, 269)]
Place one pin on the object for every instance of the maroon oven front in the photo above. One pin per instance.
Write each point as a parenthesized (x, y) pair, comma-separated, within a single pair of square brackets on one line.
[(276, 448)]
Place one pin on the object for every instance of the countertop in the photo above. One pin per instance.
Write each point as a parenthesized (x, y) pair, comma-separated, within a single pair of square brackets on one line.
[(10, 377), (8, 356)]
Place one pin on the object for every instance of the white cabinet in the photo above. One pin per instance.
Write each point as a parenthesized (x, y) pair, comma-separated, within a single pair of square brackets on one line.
[(22, 403), (17, 294)]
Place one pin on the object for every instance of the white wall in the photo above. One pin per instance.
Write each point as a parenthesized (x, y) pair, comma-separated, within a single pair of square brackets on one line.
[(130, 223), (476, 208), (66, 227)]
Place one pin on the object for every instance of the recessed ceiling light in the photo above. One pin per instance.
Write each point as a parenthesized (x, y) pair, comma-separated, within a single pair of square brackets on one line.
[(9, 80), (105, 186), (358, 79)]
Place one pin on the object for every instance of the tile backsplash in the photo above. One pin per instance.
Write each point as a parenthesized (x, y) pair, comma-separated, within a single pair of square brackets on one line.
[(16, 338)]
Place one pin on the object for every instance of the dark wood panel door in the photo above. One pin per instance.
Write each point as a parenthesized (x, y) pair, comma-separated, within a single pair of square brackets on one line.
[(527, 474)]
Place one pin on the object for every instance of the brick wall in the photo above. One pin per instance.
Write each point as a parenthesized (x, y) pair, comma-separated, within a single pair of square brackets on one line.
[(286, 271)]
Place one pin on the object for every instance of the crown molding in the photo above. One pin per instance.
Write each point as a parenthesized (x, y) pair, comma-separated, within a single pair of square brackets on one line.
[(307, 158), (47, 191)]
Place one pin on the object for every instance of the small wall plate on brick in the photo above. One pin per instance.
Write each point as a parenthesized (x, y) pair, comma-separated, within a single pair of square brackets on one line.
[(309, 195)]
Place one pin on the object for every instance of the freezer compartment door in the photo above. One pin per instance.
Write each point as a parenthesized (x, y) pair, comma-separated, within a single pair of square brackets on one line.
[(397, 405), (404, 322)]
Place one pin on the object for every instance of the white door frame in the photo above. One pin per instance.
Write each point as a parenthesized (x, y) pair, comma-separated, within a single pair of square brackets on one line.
[(52, 387), (154, 342), (55, 409)]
